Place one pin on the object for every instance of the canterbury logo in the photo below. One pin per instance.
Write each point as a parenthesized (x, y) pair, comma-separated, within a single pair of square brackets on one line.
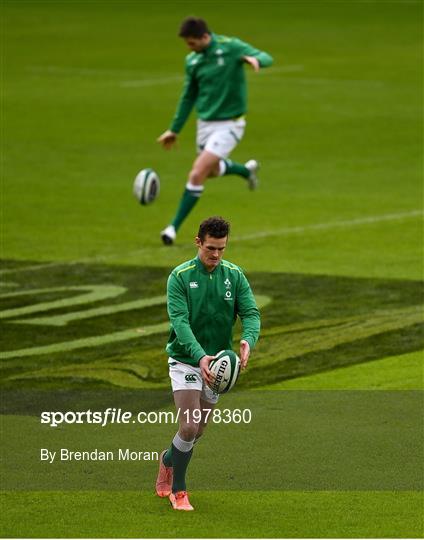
[(190, 378)]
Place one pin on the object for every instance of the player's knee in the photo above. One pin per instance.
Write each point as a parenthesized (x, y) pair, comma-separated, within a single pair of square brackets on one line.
[(214, 172), (201, 171), (196, 176), (188, 430)]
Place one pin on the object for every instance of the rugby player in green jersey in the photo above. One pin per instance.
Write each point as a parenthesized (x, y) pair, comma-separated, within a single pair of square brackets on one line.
[(215, 85), (205, 297)]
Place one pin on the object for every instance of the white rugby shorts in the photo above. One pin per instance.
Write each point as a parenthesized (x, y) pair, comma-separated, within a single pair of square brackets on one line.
[(219, 137), (187, 377)]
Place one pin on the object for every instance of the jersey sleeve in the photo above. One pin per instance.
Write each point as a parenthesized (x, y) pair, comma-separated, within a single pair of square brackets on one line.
[(186, 102), (179, 317), (248, 312), (265, 59)]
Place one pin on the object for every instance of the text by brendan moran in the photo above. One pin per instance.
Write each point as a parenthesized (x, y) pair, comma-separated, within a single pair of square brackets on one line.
[(121, 454)]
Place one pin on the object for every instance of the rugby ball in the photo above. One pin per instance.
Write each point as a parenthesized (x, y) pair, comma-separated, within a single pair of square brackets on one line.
[(146, 186), (225, 369)]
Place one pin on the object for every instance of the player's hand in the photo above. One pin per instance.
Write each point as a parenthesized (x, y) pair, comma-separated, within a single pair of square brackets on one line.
[(244, 353), (204, 368), (254, 62), (167, 139)]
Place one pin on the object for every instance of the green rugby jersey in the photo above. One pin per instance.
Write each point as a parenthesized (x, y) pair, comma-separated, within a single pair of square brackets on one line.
[(215, 81), (203, 307)]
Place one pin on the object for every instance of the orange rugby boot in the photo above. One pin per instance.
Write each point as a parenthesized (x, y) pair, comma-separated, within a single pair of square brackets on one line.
[(179, 501), (164, 479)]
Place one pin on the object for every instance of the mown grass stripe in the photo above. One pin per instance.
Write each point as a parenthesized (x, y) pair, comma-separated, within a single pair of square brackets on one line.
[(61, 320), (94, 294), (94, 341)]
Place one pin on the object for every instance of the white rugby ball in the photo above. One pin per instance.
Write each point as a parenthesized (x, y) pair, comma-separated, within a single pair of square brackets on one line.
[(225, 370), (146, 186)]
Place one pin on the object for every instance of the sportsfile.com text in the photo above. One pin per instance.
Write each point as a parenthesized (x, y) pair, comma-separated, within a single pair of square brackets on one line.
[(113, 415)]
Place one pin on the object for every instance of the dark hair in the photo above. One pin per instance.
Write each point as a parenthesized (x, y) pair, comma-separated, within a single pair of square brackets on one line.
[(214, 226), (193, 27)]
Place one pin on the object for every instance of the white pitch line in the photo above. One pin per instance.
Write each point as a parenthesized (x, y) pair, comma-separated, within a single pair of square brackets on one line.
[(348, 82), (172, 78), (69, 70), (331, 225), (244, 237), (92, 72), (289, 68), (151, 82), (139, 82)]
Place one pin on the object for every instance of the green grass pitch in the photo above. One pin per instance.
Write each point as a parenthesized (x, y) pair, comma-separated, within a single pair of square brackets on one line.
[(331, 242)]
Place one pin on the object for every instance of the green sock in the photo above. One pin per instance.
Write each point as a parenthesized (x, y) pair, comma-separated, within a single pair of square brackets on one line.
[(167, 457), (188, 200), (231, 167), (180, 461)]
